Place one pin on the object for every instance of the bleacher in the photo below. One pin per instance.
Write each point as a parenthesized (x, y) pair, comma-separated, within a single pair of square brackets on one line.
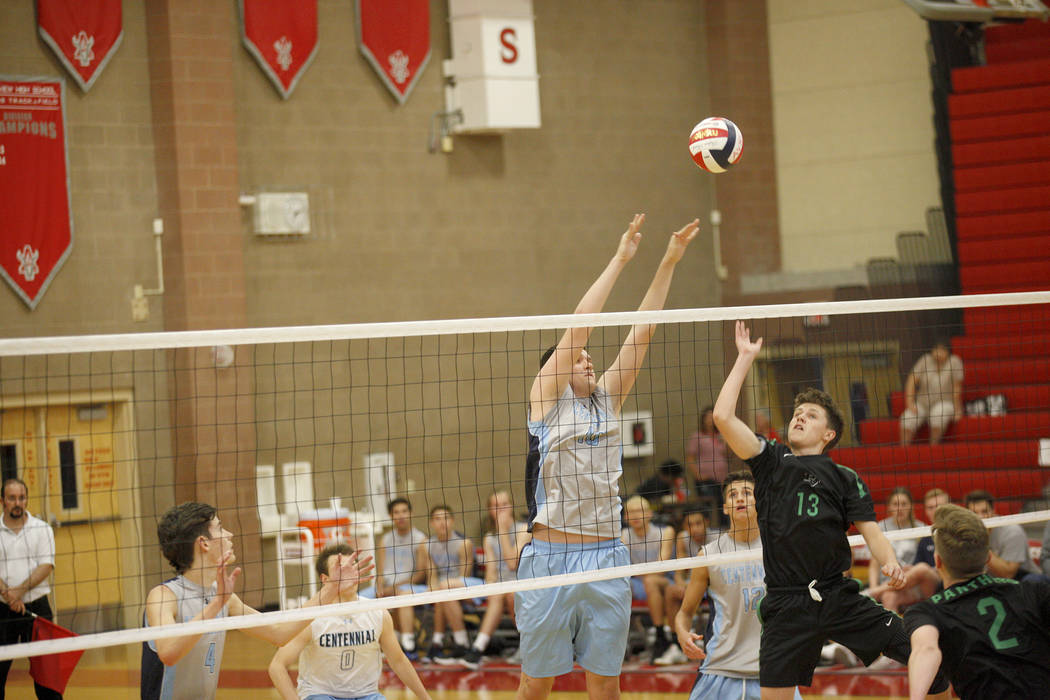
[(999, 117)]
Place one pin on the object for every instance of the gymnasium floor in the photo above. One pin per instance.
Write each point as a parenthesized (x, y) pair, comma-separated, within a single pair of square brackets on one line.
[(113, 674)]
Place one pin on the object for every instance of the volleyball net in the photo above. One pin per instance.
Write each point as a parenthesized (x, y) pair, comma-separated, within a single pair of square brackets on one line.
[(302, 436)]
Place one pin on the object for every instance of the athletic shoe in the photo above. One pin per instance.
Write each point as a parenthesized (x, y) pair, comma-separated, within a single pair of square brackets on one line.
[(433, 654), (411, 655), (835, 653), (672, 656), (659, 647), (451, 656), (472, 659)]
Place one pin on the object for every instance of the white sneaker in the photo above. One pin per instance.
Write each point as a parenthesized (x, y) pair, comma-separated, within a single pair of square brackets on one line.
[(835, 653), (885, 663), (673, 656)]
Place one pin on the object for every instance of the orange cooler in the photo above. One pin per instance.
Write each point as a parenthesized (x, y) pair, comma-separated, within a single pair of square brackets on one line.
[(327, 525)]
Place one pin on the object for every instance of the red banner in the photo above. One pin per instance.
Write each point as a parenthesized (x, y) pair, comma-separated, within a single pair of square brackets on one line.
[(37, 232), (282, 36), (394, 35), (83, 33)]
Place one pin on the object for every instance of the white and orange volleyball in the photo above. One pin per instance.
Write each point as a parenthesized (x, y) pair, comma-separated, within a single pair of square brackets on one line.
[(716, 144)]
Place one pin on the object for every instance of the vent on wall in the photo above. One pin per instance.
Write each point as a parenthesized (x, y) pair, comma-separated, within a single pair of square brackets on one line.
[(281, 213)]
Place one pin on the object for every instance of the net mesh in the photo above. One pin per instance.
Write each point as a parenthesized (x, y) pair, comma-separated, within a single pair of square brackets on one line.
[(302, 436)]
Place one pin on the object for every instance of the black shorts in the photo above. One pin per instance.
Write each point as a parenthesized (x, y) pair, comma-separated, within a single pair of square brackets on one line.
[(795, 627)]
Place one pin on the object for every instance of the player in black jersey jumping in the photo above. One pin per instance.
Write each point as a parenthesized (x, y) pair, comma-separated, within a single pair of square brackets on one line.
[(990, 636), (806, 504)]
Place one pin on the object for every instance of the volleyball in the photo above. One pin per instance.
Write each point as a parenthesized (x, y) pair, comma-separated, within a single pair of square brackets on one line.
[(716, 144)]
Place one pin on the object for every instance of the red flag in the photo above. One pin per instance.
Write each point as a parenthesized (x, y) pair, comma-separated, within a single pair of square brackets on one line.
[(394, 35), (53, 670), (282, 36), (83, 33), (37, 232)]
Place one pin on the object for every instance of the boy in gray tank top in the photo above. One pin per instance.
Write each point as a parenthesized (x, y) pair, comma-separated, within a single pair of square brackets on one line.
[(730, 657), (399, 570), (200, 549), (573, 491), (447, 557)]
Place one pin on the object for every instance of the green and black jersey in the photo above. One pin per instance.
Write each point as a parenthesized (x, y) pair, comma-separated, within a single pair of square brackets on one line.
[(805, 506), (994, 636)]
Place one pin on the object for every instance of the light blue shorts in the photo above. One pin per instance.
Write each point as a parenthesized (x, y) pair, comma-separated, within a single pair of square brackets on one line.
[(638, 586), (588, 620), (402, 589), (373, 696), (711, 686)]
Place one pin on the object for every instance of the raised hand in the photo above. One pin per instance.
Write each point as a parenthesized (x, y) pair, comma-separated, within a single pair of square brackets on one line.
[(744, 346), (351, 571), (631, 238), (681, 239), (224, 582)]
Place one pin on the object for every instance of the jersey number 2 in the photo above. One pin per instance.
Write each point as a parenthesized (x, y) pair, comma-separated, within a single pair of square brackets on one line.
[(997, 624)]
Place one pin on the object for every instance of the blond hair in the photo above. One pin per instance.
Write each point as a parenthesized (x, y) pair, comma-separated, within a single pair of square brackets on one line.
[(961, 540), (637, 501), (934, 493)]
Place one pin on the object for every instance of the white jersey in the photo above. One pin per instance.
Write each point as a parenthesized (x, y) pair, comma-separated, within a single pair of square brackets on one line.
[(577, 484), (734, 630), (196, 675), (399, 562), (343, 658)]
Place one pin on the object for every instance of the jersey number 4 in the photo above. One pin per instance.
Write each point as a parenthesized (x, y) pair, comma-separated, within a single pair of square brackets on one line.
[(209, 658), (983, 607)]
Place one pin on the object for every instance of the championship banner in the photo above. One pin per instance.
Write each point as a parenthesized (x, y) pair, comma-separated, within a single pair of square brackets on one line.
[(394, 35), (282, 36), (83, 33), (37, 232)]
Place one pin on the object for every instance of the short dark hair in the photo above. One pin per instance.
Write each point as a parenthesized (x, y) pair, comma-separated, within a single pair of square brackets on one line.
[(397, 501), (179, 529), (979, 495), (824, 400), (321, 563), (441, 506), (742, 475), (671, 467), (12, 480), (942, 341)]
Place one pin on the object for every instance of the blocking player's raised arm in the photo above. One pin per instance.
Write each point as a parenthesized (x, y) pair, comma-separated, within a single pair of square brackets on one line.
[(924, 661), (556, 372), (621, 375), (740, 438)]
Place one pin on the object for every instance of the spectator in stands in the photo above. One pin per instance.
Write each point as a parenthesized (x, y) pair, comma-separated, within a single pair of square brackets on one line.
[(707, 457), (667, 484), (504, 538), (933, 392), (934, 499), (647, 542), (448, 557), (399, 571), (1008, 543), (764, 426), (900, 512), (688, 543)]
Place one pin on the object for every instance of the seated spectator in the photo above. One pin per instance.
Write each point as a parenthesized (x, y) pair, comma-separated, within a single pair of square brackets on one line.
[(447, 556), (707, 457), (1008, 543), (934, 499), (647, 542), (688, 543), (764, 426), (933, 392), (900, 511), (399, 572), (504, 538), (667, 484), (1044, 556)]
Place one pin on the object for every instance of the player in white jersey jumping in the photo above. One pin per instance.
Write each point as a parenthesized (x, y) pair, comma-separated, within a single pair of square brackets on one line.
[(201, 550), (341, 657), (730, 663), (573, 491)]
